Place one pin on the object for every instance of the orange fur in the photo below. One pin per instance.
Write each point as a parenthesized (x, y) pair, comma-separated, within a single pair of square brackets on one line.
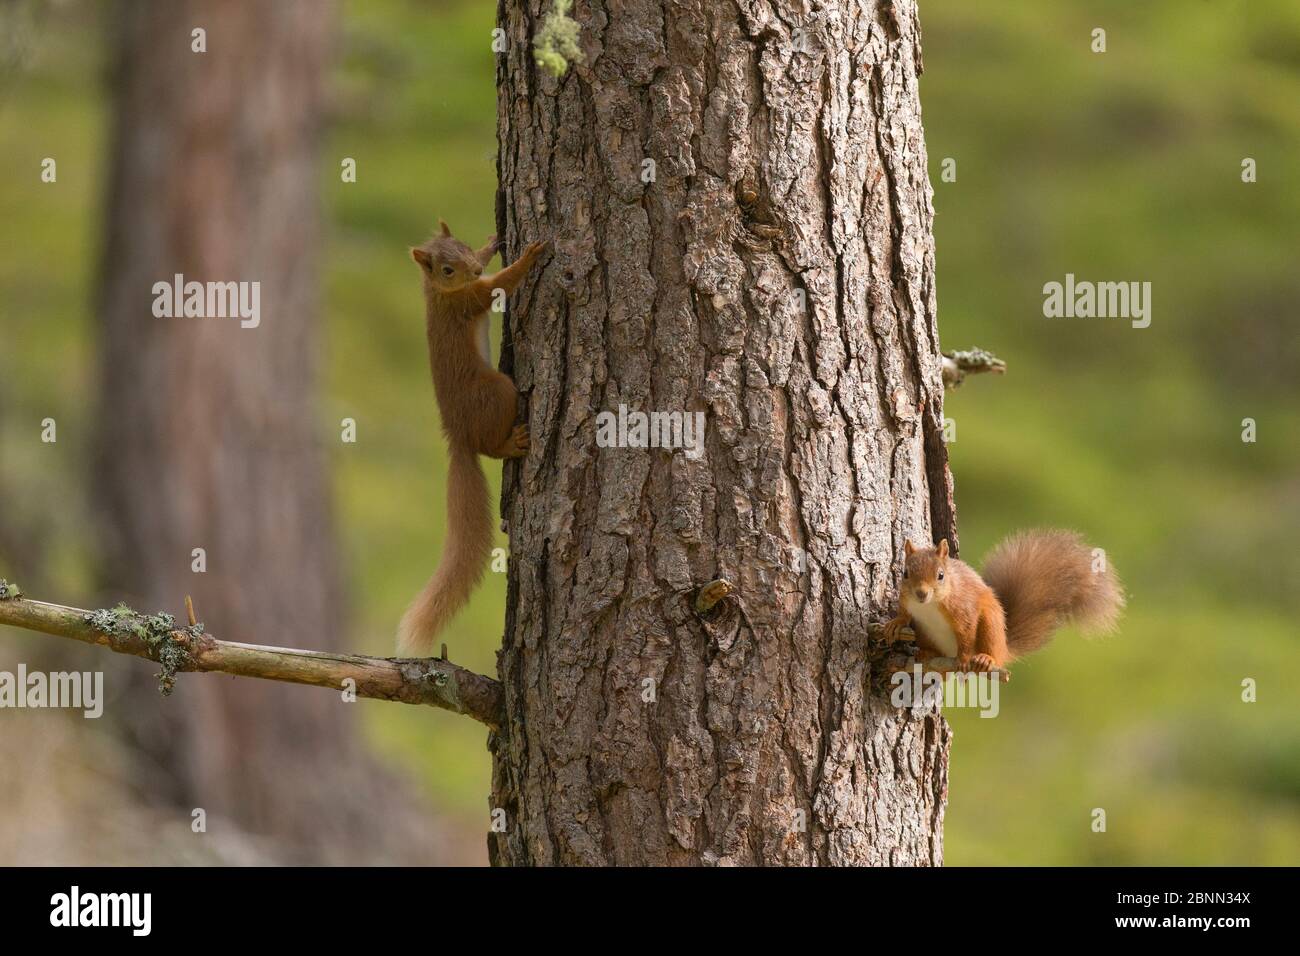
[(1046, 579), (478, 405), (1034, 583)]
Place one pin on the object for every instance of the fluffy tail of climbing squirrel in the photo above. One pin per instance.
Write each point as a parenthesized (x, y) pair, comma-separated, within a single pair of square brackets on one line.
[(478, 406), (1034, 583)]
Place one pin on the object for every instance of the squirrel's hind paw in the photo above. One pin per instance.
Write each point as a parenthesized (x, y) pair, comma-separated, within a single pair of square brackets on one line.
[(517, 444), (984, 663)]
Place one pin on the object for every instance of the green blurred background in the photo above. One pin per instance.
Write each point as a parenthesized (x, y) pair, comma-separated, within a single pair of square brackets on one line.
[(1117, 166)]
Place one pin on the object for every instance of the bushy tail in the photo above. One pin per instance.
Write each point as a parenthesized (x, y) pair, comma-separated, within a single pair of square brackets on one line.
[(469, 545), (1046, 579)]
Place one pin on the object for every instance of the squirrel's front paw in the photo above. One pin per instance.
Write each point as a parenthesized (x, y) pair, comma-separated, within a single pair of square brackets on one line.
[(893, 629), (535, 249), (982, 663)]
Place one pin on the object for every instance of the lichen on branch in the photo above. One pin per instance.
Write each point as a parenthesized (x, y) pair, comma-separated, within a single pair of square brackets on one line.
[(158, 632)]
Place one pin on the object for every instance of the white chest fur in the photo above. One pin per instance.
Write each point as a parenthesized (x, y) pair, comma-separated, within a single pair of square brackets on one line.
[(938, 632)]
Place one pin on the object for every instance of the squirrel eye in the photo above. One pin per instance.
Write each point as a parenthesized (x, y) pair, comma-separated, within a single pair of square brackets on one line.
[(447, 270), (940, 575)]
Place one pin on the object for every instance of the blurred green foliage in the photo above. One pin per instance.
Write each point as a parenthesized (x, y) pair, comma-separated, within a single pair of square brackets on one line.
[(1116, 166), (1127, 166)]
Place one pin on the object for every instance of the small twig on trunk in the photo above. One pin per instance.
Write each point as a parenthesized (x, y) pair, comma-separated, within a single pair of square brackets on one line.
[(957, 365)]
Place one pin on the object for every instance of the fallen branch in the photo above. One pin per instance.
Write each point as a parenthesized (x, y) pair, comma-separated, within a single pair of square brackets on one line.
[(431, 681), (957, 365)]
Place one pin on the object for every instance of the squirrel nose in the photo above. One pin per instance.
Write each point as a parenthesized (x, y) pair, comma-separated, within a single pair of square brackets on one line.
[(922, 596), (478, 271)]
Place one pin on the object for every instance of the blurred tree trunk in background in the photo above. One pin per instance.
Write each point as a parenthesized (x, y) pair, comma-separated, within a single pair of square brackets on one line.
[(208, 434), (776, 272)]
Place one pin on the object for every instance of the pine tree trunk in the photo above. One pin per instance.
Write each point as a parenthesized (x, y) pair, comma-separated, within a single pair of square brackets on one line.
[(775, 273)]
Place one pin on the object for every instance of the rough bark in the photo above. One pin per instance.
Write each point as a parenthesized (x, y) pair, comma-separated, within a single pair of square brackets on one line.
[(789, 159), (207, 432)]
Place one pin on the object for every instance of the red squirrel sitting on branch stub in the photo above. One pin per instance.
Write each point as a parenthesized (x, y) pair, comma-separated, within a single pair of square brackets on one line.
[(1034, 583)]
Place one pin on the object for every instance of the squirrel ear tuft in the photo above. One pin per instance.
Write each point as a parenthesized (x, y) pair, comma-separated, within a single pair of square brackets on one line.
[(907, 547), (446, 231), (943, 548), (422, 258)]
